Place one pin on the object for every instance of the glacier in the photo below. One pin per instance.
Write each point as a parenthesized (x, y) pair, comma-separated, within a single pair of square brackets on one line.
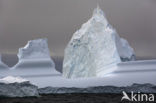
[(95, 49), (34, 59)]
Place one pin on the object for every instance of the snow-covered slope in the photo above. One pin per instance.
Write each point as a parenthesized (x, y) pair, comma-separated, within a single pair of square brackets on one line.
[(95, 49)]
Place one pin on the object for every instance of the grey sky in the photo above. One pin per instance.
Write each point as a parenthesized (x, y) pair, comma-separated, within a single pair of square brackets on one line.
[(23, 20)]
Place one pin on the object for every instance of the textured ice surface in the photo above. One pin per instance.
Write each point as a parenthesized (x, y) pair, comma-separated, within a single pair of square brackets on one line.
[(125, 51), (35, 49), (144, 88), (34, 59), (95, 49), (17, 87)]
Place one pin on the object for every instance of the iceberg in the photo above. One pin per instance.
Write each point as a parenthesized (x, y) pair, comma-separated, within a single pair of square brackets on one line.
[(34, 49), (17, 87), (95, 49), (34, 59)]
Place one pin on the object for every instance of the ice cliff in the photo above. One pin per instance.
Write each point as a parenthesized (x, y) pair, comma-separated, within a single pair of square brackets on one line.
[(95, 49), (125, 51), (35, 59)]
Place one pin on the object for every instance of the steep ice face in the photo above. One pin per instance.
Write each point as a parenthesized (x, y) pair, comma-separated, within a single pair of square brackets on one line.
[(95, 49), (125, 51), (34, 49), (92, 50)]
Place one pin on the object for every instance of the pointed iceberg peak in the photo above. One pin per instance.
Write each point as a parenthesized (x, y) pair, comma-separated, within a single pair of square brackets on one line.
[(98, 11), (35, 49), (95, 49), (99, 16)]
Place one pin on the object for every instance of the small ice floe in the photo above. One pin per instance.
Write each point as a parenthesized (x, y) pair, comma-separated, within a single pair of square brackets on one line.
[(17, 87)]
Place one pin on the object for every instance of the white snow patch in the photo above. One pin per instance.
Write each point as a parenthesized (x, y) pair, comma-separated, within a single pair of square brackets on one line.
[(11, 79)]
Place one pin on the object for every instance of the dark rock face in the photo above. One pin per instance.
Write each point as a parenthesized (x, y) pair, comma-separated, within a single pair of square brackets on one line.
[(24, 89), (145, 88)]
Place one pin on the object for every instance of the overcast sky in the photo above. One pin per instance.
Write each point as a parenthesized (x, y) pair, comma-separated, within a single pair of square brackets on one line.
[(23, 20)]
